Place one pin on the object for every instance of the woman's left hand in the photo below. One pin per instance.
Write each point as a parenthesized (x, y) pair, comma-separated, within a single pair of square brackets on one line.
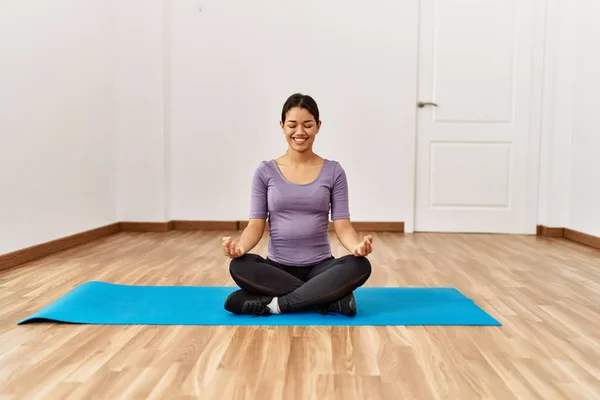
[(364, 248)]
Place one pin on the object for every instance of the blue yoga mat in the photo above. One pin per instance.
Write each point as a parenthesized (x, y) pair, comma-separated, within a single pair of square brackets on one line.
[(111, 304)]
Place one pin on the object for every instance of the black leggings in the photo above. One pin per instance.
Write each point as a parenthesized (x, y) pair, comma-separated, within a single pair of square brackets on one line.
[(300, 288)]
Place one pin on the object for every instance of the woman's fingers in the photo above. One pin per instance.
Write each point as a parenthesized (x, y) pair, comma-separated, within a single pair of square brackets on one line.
[(228, 246), (231, 249), (368, 244), (365, 246)]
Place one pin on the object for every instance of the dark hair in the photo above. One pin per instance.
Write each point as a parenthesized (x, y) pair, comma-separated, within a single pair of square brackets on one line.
[(302, 101)]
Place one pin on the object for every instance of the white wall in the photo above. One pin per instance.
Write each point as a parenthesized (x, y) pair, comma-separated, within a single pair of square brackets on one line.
[(559, 81), (570, 166), (232, 67), (56, 120), (584, 204), (200, 86), (142, 144), (152, 111)]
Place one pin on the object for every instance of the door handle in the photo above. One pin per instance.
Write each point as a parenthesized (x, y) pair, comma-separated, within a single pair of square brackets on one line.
[(422, 104)]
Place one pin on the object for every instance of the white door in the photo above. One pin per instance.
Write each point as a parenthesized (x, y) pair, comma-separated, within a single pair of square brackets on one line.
[(477, 145)]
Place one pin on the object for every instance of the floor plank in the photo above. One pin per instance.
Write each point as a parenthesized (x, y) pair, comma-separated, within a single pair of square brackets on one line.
[(545, 291)]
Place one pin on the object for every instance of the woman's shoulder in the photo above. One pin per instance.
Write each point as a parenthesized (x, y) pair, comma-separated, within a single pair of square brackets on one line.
[(265, 165), (333, 172), (333, 163), (334, 166), (265, 169)]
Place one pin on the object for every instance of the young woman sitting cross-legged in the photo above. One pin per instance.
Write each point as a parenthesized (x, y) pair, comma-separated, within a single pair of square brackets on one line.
[(296, 193)]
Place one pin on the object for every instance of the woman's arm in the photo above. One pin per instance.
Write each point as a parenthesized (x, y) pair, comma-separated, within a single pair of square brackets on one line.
[(340, 214), (350, 240), (252, 234), (255, 230), (259, 210), (249, 239), (346, 234)]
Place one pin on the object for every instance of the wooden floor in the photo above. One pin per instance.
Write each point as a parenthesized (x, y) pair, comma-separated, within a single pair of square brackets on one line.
[(546, 292)]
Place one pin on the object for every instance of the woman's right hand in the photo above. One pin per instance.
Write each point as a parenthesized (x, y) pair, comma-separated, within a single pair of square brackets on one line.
[(231, 249)]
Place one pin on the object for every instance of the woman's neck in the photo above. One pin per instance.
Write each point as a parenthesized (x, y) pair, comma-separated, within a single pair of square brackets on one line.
[(295, 158)]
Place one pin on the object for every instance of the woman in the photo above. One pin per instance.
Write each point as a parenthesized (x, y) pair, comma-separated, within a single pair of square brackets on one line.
[(296, 192)]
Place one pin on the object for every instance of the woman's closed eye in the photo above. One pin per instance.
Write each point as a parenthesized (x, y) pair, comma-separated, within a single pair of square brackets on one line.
[(305, 126)]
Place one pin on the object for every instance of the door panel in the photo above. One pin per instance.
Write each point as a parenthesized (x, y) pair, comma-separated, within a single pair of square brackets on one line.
[(473, 59), (470, 174), (473, 142)]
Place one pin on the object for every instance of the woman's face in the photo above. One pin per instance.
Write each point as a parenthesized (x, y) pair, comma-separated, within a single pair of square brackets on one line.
[(300, 129)]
